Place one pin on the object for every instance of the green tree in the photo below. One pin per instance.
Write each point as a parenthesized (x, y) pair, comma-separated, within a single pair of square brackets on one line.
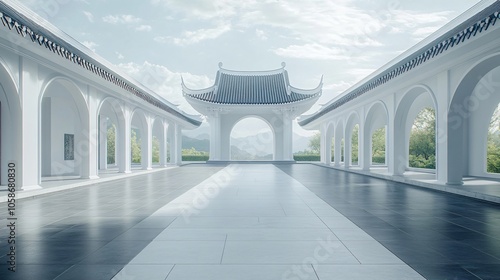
[(378, 146), (156, 150), (422, 146), (354, 144), (333, 149), (342, 150), (315, 143), (135, 147), (111, 144), (493, 146)]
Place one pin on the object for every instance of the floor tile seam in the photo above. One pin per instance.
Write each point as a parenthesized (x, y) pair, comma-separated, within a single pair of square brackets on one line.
[(315, 272), (320, 217), (169, 272), (344, 217), (379, 241), (223, 250), (473, 230), (66, 270)]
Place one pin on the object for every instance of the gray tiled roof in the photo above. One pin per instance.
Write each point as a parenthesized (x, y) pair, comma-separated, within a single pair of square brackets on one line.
[(265, 88)]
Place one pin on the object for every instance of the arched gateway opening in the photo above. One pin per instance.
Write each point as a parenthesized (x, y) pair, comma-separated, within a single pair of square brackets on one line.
[(236, 95), (252, 139)]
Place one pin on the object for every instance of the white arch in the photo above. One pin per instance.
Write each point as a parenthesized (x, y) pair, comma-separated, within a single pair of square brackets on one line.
[(139, 118), (269, 125), (115, 109), (80, 165), (11, 133), (465, 102), (352, 120), (412, 102), (330, 131), (339, 135), (377, 116), (159, 130)]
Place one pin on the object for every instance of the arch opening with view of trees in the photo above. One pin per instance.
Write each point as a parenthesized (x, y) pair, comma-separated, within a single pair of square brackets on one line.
[(355, 145), (378, 146), (493, 143), (422, 142)]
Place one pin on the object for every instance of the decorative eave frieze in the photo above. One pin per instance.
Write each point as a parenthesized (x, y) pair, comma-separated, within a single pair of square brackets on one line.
[(458, 35), (14, 21)]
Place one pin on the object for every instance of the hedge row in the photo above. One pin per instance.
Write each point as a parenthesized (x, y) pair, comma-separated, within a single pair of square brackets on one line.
[(306, 157), (194, 158), (378, 159)]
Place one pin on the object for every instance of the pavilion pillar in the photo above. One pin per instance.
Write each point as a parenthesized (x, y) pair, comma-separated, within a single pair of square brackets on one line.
[(103, 142), (287, 137), (147, 145), (215, 132), (123, 143), (30, 166)]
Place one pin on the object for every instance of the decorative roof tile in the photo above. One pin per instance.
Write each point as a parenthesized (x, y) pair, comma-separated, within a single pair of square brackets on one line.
[(252, 88)]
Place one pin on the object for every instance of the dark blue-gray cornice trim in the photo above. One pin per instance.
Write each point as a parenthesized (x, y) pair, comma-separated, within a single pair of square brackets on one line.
[(26, 27)]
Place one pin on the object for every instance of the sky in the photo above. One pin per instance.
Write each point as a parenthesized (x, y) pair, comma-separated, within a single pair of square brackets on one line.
[(158, 41)]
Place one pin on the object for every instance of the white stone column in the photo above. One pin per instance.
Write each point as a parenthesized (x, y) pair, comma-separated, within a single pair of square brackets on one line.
[(338, 149), (90, 135), (163, 144), (347, 147), (448, 166), (103, 142), (324, 158), (393, 160), (364, 147), (30, 167), (177, 151), (147, 145), (123, 142)]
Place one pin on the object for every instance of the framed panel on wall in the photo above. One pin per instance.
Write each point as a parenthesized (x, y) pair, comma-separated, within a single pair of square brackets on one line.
[(69, 146)]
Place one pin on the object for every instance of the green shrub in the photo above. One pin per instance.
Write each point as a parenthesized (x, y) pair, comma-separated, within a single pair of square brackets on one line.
[(194, 157), (306, 157)]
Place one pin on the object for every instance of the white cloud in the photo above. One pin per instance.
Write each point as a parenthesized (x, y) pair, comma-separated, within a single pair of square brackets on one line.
[(421, 33), (89, 16), (203, 9), (360, 73), (261, 34), (330, 23), (192, 37), (121, 19), (91, 45), (317, 52), (165, 82), (144, 27), (119, 55)]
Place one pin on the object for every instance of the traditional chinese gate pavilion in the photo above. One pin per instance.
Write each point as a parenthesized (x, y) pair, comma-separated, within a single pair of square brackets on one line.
[(236, 95)]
